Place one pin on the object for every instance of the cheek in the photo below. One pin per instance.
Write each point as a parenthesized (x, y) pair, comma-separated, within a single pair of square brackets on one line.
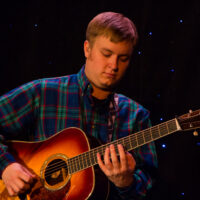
[(123, 68)]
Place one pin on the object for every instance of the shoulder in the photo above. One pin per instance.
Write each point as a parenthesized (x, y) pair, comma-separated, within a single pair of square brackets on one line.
[(128, 105), (57, 81), (36, 87)]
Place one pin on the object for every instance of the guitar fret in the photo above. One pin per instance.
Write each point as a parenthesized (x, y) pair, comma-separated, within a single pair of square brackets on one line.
[(163, 129), (78, 162), (130, 142), (155, 132), (140, 139), (147, 135), (69, 166), (75, 164), (172, 126), (95, 155), (81, 161), (72, 165), (87, 161), (84, 164), (127, 143), (91, 158), (100, 150), (143, 136), (167, 128), (115, 145), (133, 140)]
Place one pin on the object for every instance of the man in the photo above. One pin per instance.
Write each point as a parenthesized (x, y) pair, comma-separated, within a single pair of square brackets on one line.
[(39, 109)]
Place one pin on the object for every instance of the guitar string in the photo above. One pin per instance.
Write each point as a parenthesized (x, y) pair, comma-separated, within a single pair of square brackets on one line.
[(77, 158), (137, 136), (74, 168)]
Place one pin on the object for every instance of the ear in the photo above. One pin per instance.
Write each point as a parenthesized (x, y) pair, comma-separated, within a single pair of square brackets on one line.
[(86, 48)]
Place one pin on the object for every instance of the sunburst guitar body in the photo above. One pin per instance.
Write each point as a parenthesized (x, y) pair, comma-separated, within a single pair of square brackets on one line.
[(65, 164), (61, 174)]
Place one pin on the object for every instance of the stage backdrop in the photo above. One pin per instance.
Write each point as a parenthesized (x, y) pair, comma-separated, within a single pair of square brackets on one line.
[(45, 39)]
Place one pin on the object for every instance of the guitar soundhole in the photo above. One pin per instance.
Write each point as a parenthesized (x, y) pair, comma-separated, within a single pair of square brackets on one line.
[(56, 172)]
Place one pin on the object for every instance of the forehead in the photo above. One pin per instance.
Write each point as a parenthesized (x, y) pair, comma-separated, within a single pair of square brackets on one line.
[(105, 43)]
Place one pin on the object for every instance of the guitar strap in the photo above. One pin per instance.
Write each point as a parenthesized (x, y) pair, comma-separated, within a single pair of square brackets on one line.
[(112, 115), (113, 105)]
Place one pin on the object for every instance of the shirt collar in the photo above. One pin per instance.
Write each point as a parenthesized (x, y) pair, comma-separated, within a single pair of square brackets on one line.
[(83, 81), (86, 87)]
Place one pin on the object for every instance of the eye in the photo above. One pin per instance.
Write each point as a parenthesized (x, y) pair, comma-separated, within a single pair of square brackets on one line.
[(106, 55), (124, 58)]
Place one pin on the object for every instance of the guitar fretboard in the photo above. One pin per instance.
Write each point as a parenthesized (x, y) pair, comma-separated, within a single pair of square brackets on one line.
[(89, 158)]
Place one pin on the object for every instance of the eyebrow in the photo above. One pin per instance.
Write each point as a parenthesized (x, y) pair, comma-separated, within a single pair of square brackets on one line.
[(108, 50)]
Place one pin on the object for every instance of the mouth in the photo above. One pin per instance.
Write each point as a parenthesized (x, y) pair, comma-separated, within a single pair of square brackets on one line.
[(110, 75)]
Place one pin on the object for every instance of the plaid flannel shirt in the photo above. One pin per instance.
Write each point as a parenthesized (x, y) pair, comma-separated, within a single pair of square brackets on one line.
[(41, 108)]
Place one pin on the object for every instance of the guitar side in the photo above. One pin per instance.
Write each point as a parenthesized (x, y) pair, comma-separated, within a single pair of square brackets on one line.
[(69, 142)]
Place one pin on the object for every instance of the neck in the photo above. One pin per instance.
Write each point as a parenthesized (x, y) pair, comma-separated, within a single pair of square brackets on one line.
[(99, 93)]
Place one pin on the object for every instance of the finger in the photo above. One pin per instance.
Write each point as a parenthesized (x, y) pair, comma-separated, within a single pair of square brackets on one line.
[(29, 173), (122, 155), (14, 189), (107, 161), (20, 186), (11, 192), (100, 162), (114, 157), (27, 176)]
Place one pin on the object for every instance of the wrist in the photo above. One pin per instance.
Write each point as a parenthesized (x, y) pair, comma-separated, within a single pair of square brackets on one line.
[(126, 188), (126, 184)]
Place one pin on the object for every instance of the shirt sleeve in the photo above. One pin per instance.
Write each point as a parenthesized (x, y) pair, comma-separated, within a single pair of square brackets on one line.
[(146, 165), (16, 114)]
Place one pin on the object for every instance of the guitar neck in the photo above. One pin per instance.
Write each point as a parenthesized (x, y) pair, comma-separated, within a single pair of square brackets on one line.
[(89, 158)]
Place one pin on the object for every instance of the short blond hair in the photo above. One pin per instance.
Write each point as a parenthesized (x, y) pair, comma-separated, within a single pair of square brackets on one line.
[(113, 25)]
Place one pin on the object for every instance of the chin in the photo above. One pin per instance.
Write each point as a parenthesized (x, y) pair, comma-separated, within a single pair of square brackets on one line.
[(109, 88)]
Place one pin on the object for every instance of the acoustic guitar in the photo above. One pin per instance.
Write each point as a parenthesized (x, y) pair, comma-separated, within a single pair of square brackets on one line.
[(65, 164)]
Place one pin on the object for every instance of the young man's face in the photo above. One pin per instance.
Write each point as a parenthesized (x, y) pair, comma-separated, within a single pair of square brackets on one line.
[(106, 62)]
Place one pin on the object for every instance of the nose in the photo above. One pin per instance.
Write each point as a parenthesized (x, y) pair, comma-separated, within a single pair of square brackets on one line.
[(113, 64)]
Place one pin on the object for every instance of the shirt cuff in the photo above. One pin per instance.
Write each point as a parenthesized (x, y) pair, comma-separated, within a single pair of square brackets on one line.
[(127, 189), (5, 160)]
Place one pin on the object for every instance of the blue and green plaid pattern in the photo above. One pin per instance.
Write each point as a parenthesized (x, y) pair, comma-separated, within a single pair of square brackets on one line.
[(41, 108)]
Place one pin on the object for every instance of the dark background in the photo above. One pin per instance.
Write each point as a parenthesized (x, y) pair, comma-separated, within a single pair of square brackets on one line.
[(45, 39)]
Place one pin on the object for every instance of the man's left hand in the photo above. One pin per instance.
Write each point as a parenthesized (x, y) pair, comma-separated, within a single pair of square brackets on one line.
[(119, 171)]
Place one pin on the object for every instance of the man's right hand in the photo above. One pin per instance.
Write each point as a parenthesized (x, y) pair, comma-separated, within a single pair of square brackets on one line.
[(17, 179)]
